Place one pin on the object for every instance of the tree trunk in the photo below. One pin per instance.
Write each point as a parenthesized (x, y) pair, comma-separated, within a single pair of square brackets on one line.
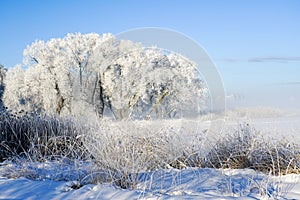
[(80, 75), (119, 114), (94, 89), (60, 105), (101, 100), (61, 100)]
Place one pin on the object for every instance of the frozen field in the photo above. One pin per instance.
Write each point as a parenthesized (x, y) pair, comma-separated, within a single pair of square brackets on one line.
[(170, 184), (190, 183)]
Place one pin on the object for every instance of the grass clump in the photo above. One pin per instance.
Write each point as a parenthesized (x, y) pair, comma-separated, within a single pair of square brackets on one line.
[(247, 148), (39, 136), (126, 150)]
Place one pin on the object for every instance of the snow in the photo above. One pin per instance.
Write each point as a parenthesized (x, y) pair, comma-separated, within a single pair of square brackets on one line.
[(164, 184), (58, 180), (69, 75)]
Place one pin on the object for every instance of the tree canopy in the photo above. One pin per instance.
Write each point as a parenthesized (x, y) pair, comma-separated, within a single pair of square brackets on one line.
[(99, 74)]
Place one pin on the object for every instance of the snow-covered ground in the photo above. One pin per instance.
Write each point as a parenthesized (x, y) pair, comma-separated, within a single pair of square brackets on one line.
[(53, 181), (167, 184)]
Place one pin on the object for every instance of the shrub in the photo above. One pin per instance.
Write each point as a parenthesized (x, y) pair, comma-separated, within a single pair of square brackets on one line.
[(233, 150), (277, 158), (124, 150), (38, 136), (247, 148)]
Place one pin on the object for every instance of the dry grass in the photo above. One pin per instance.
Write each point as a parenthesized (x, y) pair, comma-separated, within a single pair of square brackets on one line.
[(247, 148), (126, 150), (38, 136), (121, 151)]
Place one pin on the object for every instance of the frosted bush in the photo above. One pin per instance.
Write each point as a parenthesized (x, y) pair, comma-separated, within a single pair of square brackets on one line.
[(39, 137), (276, 157), (247, 148), (127, 149)]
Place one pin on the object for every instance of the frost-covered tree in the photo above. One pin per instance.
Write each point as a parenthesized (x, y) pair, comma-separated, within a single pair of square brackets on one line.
[(2, 76), (148, 83), (47, 79), (83, 73), (58, 72), (59, 75), (14, 93), (106, 53)]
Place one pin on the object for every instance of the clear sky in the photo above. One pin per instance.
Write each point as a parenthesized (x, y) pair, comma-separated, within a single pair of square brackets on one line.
[(255, 44)]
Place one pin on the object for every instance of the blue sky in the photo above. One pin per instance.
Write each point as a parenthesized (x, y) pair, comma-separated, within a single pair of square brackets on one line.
[(255, 44)]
